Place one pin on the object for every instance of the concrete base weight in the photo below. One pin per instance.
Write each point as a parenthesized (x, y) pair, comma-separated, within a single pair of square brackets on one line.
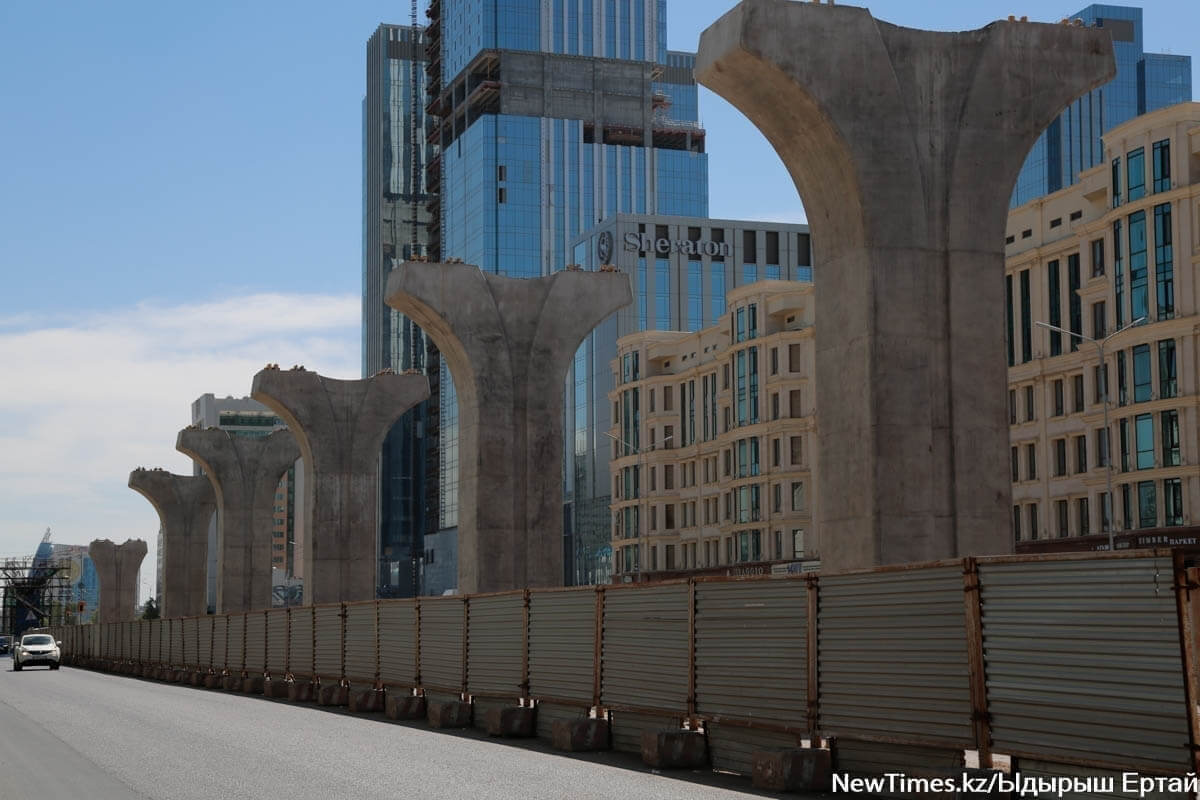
[(332, 694), (674, 749), (366, 700), (197, 678), (301, 691), (515, 722), (580, 735), (232, 683), (404, 706), (801, 769), (276, 687), (254, 684), (212, 681), (450, 715)]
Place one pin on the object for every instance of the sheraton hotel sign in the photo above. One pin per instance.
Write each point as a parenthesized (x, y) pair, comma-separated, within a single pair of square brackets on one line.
[(644, 242)]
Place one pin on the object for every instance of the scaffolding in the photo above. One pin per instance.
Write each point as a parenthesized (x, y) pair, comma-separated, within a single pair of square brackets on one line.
[(35, 591)]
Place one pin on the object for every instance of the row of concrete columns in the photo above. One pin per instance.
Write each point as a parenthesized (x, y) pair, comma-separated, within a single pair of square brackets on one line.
[(508, 344)]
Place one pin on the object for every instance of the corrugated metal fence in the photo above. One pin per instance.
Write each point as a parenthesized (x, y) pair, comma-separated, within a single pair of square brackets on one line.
[(1074, 660)]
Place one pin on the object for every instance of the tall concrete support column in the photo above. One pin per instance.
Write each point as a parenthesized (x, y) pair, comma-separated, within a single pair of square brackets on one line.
[(904, 145), (185, 505), (340, 427), (117, 570), (245, 473), (508, 343)]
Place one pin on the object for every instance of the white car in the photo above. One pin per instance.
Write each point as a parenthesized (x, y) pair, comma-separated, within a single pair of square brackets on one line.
[(36, 648)]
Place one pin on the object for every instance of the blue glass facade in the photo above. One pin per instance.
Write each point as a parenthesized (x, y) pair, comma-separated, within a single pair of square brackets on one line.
[(1144, 82), (395, 228), (516, 190)]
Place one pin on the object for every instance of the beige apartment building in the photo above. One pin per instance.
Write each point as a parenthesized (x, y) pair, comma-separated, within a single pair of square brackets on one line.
[(1113, 258), (714, 438)]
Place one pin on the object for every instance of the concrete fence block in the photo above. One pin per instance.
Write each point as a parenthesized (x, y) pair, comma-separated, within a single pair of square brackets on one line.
[(674, 749), (513, 722), (580, 735), (800, 769)]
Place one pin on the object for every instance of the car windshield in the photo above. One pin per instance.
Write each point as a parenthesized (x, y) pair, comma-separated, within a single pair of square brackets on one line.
[(27, 640)]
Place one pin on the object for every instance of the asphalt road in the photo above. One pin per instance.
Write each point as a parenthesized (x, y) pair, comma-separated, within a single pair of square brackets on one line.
[(94, 736)]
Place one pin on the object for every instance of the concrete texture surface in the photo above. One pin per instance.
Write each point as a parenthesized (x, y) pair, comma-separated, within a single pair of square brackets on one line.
[(245, 473), (185, 505), (340, 427), (508, 343), (117, 570), (904, 146), (105, 737)]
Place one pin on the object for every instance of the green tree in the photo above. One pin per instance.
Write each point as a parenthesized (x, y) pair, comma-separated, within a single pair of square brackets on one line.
[(150, 610)]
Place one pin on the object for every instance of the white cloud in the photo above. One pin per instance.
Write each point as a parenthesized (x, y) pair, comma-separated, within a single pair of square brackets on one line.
[(87, 398)]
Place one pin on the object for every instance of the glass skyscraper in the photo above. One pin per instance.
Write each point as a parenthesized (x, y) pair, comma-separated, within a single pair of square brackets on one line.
[(396, 228), (545, 125), (1144, 82)]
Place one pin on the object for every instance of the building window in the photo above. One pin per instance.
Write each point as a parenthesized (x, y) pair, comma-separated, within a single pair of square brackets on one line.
[(1031, 461), (1118, 275), (1033, 521), (797, 495), (1116, 182), (1170, 438), (1124, 434), (777, 498), (1164, 262), (1026, 320), (1143, 429), (1138, 294), (1141, 373), (1168, 386), (1162, 165), (778, 545), (1147, 504), (1008, 318), (1016, 464), (1059, 398), (1135, 174), (1081, 454), (796, 453), (1063, 512), (1060, 457), (1100, 374), (1012, 406), (1074, 302), (1172, 501), (774, 360), (797, 542), (1055, 307), (1084, 521), (1077, 391), (1099, 323), (1101, 447), (775, 452), (1017, 523), (1126, 506), (1097, 258), (1029, 408), (1122, 382)]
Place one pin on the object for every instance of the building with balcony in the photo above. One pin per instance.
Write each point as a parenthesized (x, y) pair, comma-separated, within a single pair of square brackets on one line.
[(714, 437)]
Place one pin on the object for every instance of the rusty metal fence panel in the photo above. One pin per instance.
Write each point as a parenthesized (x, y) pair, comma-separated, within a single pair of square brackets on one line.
[(204, 642), (627, 727), (893, 657), (256, 642), (732, 747), (646, 648), (143, 649), (1083, 661), (362, 653), (496, 645), (220, 655), (156, 640), (236, 647), (549, 713), (300, 642), (191, 640), (876, 758), (327, 641), (398, 642), (123, 630), (751, 651), (277, 641), (562, 642), (442, 642)]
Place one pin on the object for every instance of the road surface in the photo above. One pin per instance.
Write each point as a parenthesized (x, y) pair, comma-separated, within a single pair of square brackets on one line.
[(94, 736)]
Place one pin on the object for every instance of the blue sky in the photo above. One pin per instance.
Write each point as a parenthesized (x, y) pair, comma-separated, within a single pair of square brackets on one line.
[(180, 203)]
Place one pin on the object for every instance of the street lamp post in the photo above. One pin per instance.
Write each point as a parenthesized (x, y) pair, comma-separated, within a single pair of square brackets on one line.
[(1100, 344), (641, 462)]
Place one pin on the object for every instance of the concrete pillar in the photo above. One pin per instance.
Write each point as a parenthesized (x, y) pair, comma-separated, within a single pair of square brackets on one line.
[(245, 473), (340, 427), (904, 145), (117, 570), (185, 505), (508, 343)]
